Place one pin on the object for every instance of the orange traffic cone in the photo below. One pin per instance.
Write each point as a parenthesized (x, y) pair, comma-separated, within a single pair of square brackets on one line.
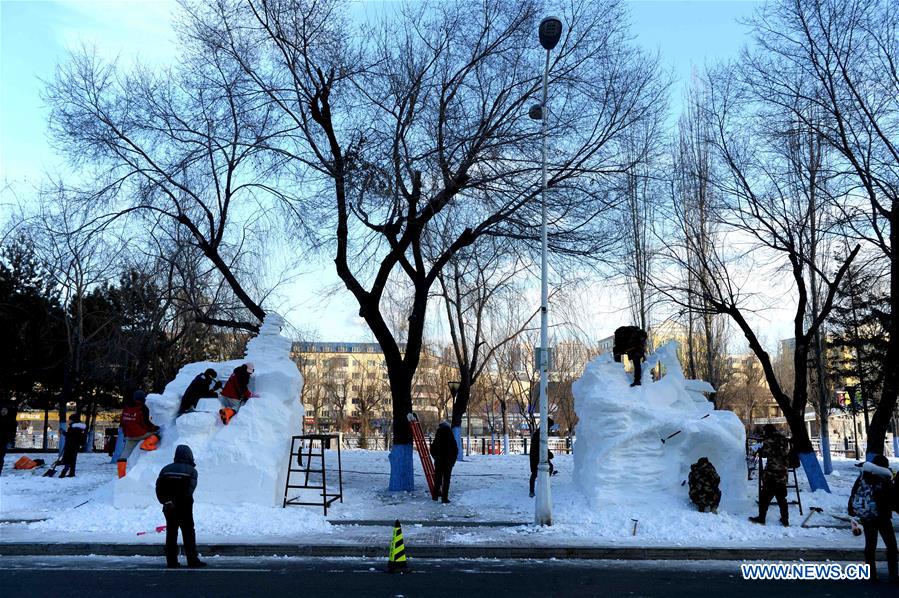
[(122, 465)]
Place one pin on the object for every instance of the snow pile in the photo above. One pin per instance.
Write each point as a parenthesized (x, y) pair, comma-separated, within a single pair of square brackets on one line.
[(243, 462), (619, 455)]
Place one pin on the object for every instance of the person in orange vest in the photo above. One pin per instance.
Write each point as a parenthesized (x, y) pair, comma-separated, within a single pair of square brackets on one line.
[(136, 427), (237, 389)]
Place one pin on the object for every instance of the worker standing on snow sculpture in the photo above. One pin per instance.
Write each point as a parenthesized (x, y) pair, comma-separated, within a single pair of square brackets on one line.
[(236, 391), (175, 491), (775, 448), (535, 456), (204, 386), (631, 341), (136, 427), (444, 451), (704, 491), (75, 435)]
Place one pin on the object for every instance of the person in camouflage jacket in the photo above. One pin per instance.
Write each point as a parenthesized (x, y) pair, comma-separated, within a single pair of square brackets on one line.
[(704, 491), (775, 448)]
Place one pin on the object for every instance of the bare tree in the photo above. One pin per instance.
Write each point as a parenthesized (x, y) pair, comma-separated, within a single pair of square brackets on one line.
[(415, 126), (744, 390), (840, 57), (78, 262), (477, 287), (185, 145), (764, 207), (696, 206)]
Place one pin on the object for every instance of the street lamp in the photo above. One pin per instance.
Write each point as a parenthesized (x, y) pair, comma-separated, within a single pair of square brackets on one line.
[(550, 32)]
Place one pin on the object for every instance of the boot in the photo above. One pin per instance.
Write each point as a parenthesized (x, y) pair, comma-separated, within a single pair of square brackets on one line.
[(122, 466), (196, 564), (758, 520)]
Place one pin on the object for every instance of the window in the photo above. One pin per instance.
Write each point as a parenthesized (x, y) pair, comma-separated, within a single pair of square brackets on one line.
[(370, 375), (357, 375)]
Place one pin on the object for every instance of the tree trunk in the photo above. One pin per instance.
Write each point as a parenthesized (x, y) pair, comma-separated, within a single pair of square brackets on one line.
[(887, 404)]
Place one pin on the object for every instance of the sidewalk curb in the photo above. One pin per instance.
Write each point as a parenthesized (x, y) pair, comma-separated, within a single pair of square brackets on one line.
[(434, 551)]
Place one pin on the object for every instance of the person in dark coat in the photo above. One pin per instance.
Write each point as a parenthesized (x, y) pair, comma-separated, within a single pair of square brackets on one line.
[(534, 455), (75, 435), (8, 413), (175, 491), (874, 493), (775, 448), (444, 451), (204, 386), (631, 341), (704, 490)]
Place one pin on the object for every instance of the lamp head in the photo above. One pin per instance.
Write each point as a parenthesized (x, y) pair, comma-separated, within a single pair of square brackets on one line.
[(550, 32), (453, 387), (536, 112)]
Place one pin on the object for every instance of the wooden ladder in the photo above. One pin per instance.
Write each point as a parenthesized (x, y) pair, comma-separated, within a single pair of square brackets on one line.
[(426, 464)]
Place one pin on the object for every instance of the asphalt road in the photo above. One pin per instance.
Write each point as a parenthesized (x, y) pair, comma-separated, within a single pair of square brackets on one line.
[(272, 577)]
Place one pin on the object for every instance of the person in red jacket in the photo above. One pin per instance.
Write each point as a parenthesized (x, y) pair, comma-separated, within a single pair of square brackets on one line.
[(237, 388), (136, 426)]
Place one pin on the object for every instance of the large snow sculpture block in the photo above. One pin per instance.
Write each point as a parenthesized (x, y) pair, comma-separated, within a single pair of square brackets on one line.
[(243, 462), (619, 456)]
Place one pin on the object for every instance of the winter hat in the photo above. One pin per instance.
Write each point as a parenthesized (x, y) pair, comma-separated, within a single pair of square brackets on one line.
[(769, 430), (74, 418), (211, 372), (250, 367), (139, 396), (880, 461)]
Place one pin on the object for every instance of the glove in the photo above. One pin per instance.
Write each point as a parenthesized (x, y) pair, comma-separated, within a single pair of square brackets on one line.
[(217, 386)]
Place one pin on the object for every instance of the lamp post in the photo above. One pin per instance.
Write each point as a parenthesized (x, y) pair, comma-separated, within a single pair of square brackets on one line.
[(549, 32)]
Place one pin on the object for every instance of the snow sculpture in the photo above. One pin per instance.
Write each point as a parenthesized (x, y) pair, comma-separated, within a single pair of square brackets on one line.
[(619, 455), (243, 462)]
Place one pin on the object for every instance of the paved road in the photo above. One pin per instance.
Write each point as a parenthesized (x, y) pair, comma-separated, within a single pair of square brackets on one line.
[(270, 577)]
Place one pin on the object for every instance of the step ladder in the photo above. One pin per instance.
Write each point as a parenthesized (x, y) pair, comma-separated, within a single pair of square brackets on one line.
[(794, 485), (310, 448), (426, 464)]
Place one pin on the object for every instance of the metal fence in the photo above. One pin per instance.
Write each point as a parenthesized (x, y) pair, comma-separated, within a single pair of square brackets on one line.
[(26, 441), (470, 446)]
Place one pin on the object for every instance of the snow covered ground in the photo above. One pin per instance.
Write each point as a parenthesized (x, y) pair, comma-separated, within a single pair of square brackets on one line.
[(491, 490)]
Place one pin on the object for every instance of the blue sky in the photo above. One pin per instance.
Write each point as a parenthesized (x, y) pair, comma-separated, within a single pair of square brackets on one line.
[(35, 35)]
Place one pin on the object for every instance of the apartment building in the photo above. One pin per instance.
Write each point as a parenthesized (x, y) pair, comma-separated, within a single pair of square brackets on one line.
[(346, 385)]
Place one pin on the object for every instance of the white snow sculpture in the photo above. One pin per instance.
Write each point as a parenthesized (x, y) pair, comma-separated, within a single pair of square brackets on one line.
[(619, 456), (243, 462)]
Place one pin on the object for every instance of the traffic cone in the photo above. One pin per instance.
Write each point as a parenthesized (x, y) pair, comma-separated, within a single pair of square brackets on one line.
[(122, 465), (396, 561)]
